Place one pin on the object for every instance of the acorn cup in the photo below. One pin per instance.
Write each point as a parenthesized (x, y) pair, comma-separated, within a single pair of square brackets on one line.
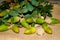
[(24, 23), (40, 20), (46, 28), (15, 28), (32, 30), (3, 27)]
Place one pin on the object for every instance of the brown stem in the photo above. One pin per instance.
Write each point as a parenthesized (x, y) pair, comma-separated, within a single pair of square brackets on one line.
[(44, 16), (10, 1)]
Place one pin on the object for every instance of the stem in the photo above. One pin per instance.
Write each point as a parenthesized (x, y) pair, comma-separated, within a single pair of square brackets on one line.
[(12, 1), (44, 16), (25, 1), (10, 26)]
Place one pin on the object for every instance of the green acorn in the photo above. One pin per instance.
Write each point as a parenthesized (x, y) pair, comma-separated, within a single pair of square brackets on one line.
[(3, 13), (24, 23), (16, 6), (9, 20), (54, 21), (29, 20), (46, 28), (3, 27), (40, 20), (15, 28), (15, 19), (27, 31), (32, 30)]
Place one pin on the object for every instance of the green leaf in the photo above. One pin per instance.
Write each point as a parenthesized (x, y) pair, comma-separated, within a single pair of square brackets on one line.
[(1, 22), (48, 7), (4, 5), (41, 7), (5, 21), (46, 2), (18, 1), (22, 3), (42, 1), (14, 12), (35, 13), (6, 16), (27, 16), (29, 6), (34, 2), (24, 9), (49, 14), (42, 14), (18, 10)]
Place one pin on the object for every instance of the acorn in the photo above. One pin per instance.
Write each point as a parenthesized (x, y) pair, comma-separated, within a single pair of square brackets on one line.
[(24, 23), (32, 30), (40, 20), (52, 21), (15, 28), (9, 20), (15, 19), (3, 13), (3, 27), (29, 20), (16, 6), (46, 28)]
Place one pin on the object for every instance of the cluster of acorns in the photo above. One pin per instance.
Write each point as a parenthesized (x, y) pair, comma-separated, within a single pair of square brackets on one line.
[(28, 23), (30, 29)]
